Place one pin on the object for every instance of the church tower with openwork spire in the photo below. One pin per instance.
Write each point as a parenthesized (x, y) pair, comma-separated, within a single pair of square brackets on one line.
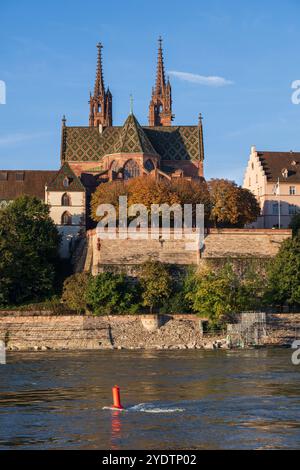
[(160, 108), (101, 101)]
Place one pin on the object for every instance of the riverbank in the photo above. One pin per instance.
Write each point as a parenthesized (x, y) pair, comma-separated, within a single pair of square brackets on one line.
[(36, 331)]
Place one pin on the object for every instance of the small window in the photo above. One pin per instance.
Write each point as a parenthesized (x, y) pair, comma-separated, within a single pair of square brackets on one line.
[(66, 219), (292, 190), (20, 176), (3, 176), (65, 200), (252, 166), (66, 182)]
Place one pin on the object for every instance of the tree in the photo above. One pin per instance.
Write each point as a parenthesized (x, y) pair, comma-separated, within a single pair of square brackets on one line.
[(74, 291), (231, 205), (156, 283), (110, 293), (284, 275), (107, 193), (29, 243), (215, 294), (295, 225)]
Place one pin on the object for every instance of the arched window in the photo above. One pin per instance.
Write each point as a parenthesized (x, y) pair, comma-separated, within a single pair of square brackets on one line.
[(149, 165), (131, 170), (65, 200), (66, 219), (66, 182)]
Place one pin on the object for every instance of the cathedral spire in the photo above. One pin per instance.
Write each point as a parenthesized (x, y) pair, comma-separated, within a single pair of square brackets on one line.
[(101, 101), (160, 72), (99, 82), (160, 108)]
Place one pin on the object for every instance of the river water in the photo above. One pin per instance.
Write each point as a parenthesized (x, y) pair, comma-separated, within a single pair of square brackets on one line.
[(174, 400)]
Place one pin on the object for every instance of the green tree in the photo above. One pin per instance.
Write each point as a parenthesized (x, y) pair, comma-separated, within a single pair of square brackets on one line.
[(74, 292), (29, 243), (284, 275), (295, 225), (110, 293), (215, 294), (156, 283)]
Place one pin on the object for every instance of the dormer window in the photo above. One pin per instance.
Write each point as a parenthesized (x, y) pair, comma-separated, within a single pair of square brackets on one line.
[(285, 172), (66, 182)]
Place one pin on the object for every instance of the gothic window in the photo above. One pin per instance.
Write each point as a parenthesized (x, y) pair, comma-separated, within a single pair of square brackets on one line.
[(65, 200), (66, 182), (131, 170), (66, 219), (149, 165)]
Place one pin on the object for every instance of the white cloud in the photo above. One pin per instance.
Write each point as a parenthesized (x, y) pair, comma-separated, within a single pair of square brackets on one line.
[(200, 79)]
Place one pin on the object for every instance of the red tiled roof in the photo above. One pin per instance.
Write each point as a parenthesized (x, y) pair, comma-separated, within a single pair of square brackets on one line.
[(14, 183), (275, 162)]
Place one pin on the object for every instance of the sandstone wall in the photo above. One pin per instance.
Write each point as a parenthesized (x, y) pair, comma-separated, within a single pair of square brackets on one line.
[(218, 244), (34, 331)]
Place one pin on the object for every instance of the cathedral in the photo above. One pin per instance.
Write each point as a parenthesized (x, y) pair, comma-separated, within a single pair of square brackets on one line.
[(101, 152)]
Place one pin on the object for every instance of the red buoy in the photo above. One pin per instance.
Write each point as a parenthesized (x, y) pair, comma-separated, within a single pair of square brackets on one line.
[(116, 398)]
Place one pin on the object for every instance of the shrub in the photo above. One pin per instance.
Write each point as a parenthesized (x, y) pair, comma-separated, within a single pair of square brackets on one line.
[(74, 292), (156, 283), (110, 293)]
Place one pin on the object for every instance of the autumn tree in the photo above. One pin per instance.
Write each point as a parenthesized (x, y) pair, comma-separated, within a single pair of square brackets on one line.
[(107, 193), (231, 205)]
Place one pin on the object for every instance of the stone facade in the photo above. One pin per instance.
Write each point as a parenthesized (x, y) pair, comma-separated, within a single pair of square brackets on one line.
[(125, 254)]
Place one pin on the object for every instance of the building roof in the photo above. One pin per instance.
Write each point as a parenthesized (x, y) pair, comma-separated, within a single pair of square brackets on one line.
[(84, 144), (274, 163), (132, 139), (65, 174), (14, 183)]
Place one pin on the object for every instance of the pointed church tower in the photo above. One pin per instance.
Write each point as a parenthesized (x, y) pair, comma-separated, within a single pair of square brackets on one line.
[(160, 109), (101, 101)]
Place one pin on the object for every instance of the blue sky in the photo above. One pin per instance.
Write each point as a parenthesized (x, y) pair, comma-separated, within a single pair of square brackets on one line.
[(48, 57)]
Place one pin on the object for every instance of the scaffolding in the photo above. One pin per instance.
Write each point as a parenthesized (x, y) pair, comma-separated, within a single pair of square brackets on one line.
[(249, 331)]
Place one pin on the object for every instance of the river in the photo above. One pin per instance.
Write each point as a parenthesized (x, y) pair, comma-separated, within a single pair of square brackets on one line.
[(174, 400)]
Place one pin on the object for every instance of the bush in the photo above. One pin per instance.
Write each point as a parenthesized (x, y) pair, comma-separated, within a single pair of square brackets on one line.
[(156, 283), (110, 293), (74, 292)]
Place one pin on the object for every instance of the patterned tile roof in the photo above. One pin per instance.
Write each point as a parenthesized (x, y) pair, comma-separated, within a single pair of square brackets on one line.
[(57, 183), (86, 144), (132, 139)]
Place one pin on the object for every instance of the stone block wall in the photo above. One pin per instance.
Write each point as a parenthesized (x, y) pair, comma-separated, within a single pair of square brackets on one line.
[(218, 244)]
